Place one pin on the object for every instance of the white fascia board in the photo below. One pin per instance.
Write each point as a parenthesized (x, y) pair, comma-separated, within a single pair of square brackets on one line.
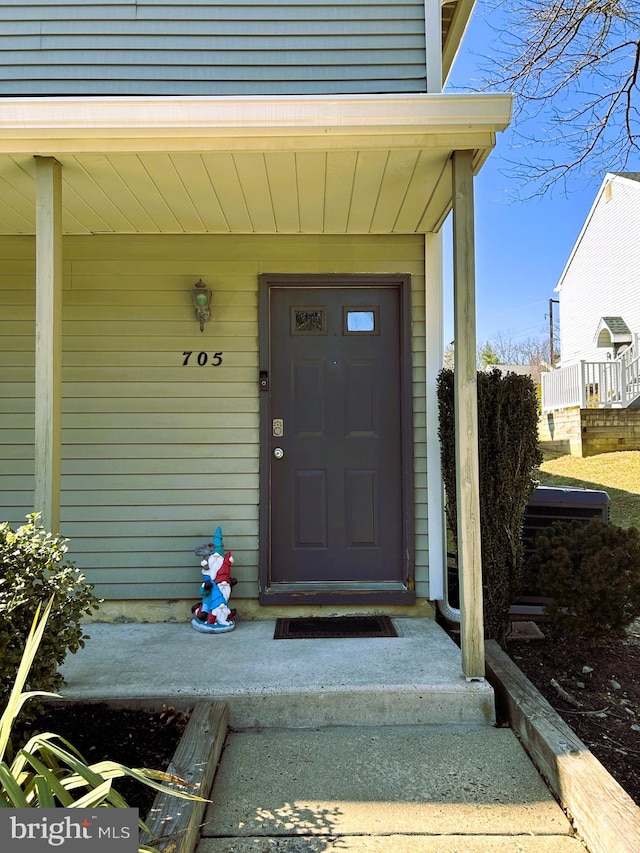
[(608, 177), (455, 36), (141, 118)]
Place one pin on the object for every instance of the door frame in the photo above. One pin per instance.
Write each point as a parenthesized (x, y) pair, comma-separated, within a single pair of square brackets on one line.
[(356, 593)]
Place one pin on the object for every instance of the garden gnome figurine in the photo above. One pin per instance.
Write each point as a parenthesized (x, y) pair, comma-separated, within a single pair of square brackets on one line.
[(213, 615), (218, 546)]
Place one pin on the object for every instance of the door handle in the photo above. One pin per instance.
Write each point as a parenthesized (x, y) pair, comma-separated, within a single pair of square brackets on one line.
[(278, 452)]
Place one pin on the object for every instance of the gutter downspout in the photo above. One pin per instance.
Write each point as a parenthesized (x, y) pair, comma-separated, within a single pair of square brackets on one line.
[(434, 308), (451, 613)]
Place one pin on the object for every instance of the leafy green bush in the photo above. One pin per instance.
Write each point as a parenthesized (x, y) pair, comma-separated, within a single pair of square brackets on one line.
[(32, 571), (591, 572), (508, 451), (48, 772)]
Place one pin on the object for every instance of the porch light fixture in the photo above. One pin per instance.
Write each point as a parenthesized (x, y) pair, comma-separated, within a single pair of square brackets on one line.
[(201, 296)]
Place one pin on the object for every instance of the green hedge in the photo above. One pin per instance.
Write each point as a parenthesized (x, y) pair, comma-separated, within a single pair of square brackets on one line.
[(508, 451)]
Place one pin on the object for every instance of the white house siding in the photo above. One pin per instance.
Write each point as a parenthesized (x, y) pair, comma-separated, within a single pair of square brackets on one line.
[(602, 278), (157, 454), (211, 47)]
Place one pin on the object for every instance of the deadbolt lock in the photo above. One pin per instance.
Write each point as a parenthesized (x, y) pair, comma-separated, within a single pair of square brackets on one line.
[(277, 427)]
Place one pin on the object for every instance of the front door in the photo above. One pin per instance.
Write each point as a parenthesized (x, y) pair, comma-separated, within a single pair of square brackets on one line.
[(335, 438)]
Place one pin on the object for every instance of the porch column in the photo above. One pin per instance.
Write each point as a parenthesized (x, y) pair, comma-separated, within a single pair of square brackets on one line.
[(48, 354), (466, 427), (434, 321)]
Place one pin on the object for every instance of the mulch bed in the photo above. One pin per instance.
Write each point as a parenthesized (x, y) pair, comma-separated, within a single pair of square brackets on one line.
[(135, 738), (596, 690)]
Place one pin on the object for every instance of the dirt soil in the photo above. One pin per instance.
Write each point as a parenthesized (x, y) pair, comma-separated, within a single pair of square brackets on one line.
[(596, 691), (134, 738)]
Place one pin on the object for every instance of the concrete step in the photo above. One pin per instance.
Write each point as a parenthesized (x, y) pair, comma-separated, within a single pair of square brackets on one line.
[(413, 679), (419, 789)]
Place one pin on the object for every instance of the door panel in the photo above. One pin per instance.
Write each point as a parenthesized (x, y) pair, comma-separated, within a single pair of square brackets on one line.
[(310, 508), (362, 500), (336, 494), (336, 481)]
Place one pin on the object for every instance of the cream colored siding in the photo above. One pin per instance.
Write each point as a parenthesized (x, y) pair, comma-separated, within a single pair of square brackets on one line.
[(603, 277), (156, 454), (17, 378)]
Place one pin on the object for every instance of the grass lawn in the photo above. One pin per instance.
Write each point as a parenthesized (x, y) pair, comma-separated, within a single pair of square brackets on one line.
[(618, 474)]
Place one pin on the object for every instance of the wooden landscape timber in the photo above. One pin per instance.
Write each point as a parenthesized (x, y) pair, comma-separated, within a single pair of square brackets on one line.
[(604, 815), (175, 822)]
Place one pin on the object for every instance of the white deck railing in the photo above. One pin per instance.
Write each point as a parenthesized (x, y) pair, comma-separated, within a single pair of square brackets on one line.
[(593, 384), (562, 388)]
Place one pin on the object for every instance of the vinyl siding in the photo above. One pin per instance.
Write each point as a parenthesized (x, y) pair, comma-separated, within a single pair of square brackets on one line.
[(603, 278), (157, 454), (211, 47)]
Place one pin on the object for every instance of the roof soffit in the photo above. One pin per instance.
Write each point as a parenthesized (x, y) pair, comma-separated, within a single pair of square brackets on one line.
[(356, 165)]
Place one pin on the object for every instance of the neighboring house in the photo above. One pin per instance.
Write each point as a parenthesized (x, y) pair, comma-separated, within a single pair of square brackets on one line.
[(297, 160), (600, 285), (600, 304), (600, 322)]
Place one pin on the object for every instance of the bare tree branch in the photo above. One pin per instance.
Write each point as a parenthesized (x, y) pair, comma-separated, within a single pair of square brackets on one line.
[(509, 350), (574, 68)]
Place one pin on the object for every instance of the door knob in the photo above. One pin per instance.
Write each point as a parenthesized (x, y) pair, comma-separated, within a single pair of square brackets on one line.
[(278, 452)]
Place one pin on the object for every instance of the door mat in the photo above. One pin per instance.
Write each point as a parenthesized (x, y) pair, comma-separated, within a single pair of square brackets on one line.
[(335, 627)]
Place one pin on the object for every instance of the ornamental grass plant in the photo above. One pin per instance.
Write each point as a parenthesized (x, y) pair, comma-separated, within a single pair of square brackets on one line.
[(48, 772)]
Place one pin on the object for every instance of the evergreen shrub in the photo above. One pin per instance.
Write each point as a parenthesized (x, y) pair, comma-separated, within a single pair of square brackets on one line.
[(591, 573), (508, 451), (32, 571)]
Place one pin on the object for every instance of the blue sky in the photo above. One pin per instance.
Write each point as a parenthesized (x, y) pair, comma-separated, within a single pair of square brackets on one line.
[(521, 246)]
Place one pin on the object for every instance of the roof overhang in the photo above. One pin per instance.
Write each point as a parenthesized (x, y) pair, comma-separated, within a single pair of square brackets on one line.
[(455, 20), (374, 164), (612, 330)]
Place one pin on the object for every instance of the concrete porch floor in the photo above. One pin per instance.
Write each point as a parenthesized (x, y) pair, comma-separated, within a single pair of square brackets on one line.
[(413, 679), (336, 745)]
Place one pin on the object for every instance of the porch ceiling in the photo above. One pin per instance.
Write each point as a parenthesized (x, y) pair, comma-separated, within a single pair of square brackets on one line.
[(282, 165)]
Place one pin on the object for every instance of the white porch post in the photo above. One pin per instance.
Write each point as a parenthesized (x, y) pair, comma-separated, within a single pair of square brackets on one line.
[(466, 427), (434, 319), (48, 355)]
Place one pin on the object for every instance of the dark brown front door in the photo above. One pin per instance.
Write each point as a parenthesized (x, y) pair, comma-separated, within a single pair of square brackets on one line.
[(334, 441)]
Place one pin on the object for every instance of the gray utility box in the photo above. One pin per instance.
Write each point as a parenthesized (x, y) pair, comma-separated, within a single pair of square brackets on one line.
[(563, 503), (546, 505)]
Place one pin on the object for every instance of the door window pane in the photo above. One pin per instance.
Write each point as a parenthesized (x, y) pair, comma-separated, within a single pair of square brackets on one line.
[(359, 321), (308, 321)]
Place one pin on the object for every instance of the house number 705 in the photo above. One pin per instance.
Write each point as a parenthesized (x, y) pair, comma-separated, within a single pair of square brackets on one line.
[(203, 358)]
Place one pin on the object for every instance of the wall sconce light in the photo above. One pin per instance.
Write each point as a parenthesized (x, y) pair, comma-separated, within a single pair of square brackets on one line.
[(201, 296)]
